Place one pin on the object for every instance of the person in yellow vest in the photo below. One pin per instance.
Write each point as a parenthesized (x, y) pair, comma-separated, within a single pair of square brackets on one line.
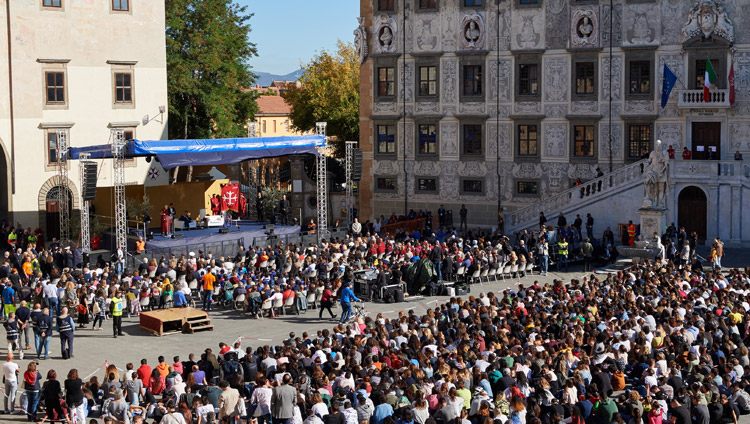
[(562, 254), (12, 239), (631, 233), (116, 307)]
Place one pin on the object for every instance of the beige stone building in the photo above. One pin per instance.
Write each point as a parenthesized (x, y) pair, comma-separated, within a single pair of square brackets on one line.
[(82, 66), (504, 105)]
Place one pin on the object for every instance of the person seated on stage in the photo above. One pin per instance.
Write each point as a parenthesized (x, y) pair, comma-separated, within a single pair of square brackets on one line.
[(186, 218)]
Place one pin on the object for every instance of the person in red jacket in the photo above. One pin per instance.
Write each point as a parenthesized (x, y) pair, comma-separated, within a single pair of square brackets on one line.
[(686, 154), (144, 373), (326, 301)]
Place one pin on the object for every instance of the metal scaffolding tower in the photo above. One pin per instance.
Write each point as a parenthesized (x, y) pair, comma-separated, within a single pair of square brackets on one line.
[(63, 192), (85, 227), (349, 182), (118, 178), (322, 192)]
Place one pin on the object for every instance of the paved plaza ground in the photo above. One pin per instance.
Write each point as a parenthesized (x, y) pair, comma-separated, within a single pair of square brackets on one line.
[(93, 348)]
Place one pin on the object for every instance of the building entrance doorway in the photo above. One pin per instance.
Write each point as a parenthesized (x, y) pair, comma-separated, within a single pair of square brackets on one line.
[(53, 212), (706, 140), (691, 212)]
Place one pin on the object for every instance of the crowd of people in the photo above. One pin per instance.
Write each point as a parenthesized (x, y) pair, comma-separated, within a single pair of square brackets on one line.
[(659, 341)]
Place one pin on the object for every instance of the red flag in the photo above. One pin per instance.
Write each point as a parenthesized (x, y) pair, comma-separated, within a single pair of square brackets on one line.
[(230, 196), (731, 84)]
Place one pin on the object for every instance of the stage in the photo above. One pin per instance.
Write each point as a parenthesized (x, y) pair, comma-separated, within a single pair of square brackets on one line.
[(175, 320), (245, 233)]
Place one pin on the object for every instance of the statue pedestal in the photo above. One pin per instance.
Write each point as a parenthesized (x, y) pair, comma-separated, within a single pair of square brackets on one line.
[(653, 220)]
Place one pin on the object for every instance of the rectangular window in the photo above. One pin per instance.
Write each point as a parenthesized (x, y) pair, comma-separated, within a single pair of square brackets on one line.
[(386, 81), (428, 4), (428, 80), (584, 141), (121, 5), (585, 78), (427, 139), (527, 187), (123, 87), (51, 147), (639, 140), (471, 3), (472, 186), (700, 73), (386, 184), (386, 5), (52, 3), (528, 80), (472, 140), (527, 140), (472, 80), (55, 83), (426, 184), (264, 127), (386, 139), (527, 1), (640, 77)]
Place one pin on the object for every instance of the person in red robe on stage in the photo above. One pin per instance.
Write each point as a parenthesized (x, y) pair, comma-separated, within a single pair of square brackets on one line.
[(243, 205), (166, 220), (215, 204)]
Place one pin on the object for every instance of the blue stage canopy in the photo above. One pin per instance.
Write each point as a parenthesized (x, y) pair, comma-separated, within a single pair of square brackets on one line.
[(172, 153)]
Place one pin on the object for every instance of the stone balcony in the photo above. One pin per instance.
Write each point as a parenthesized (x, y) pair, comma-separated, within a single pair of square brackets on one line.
[(693, 99)]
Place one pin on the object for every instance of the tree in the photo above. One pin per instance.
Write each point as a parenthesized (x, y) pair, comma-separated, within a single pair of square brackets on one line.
[(329, 92), (207, 68)]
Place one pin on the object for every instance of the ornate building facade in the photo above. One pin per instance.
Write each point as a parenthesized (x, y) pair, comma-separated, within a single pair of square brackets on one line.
[(499, 105)]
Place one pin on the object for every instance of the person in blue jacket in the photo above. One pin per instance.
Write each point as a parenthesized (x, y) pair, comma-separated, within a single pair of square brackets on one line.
[(347, 295)]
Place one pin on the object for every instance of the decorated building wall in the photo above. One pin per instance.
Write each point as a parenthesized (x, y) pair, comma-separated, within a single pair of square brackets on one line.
[(503, 104)]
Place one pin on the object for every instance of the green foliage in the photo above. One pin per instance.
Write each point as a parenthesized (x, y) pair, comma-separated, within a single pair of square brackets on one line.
[(330, 93), (136, 208), (271, 198), (207, 69)]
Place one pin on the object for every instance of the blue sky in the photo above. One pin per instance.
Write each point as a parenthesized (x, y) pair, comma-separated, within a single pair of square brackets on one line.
[(287, 32)]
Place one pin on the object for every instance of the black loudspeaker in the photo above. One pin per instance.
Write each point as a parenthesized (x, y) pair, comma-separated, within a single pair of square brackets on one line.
[(449, 217), (223, 230), (89, 181), (357, 165), (177, 236)]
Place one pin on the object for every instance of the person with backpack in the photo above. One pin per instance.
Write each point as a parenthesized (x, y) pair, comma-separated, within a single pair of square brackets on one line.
[(66, 328)]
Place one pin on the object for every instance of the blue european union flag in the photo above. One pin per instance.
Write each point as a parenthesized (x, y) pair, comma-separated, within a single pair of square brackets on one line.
[(669, 80)]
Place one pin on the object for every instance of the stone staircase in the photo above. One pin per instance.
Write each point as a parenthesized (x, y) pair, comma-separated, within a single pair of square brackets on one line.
[(195, 324), (576, 198)]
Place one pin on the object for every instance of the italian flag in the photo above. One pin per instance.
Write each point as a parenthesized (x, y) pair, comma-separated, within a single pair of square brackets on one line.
[(708, 79)]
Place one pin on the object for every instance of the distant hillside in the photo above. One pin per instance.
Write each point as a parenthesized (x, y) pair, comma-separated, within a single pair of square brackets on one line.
[(264, 78)]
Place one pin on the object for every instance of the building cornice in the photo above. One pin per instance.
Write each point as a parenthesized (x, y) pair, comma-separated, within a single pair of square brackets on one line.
[(47, 60), (49, 125), (123, 124), (122, 62)]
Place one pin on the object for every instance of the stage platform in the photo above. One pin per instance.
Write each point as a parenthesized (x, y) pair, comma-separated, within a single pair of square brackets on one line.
[(175, 320), (246, 233)]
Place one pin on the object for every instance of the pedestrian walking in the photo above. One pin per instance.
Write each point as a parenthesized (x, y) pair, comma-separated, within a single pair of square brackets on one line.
[(66, 328)]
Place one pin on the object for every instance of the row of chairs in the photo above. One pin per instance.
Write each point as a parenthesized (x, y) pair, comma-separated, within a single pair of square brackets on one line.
[(279, 306), (505, 269)]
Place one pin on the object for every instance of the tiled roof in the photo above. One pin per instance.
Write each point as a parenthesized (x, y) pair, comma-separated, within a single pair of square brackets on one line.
[(273, 105)]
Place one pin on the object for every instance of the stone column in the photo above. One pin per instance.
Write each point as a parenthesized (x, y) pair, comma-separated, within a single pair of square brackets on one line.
[(653, 220)]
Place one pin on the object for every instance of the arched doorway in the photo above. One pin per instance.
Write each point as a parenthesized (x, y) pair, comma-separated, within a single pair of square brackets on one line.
[(691, 211), (52, 210)]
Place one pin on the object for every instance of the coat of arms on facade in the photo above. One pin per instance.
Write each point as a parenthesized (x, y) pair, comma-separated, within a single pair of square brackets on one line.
[(360, 40), (708, 18)]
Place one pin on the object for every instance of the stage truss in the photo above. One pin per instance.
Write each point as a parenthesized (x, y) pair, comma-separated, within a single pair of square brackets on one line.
[(118, 177), (85, 227), (322, 176), (63, 193), (349, 188)]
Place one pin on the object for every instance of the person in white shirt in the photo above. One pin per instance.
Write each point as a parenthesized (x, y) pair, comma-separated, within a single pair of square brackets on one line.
[(10, 373)]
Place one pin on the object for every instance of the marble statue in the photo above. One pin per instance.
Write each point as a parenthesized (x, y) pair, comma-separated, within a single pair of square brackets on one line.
[(656, 182)]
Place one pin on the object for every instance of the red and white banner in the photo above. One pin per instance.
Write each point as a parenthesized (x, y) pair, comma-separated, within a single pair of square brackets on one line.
[(230, 197)]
